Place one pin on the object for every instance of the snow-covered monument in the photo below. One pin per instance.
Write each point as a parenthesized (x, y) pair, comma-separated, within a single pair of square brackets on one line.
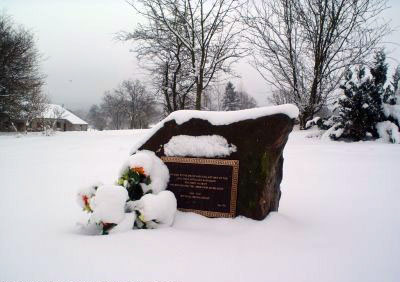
[(197, 145)]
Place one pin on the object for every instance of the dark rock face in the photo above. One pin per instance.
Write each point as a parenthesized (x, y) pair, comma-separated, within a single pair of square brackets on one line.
[(260, 143)]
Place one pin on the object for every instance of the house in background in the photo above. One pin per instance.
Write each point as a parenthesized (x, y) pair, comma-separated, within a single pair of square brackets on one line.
[(60, 119), (55, 116)]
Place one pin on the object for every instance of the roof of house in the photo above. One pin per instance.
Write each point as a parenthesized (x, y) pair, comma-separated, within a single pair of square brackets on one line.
[(56, 111)]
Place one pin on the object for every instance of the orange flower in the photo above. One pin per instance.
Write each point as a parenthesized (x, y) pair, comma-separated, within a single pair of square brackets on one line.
[(138, 169)]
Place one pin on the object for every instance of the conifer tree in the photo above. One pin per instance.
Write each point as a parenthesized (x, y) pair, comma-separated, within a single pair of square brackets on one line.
[(361, 108), (396, 79), (231, 99), (391, 106), (392, 92)]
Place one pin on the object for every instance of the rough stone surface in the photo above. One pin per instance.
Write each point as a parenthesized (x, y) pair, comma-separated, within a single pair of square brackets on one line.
[(260, 143)]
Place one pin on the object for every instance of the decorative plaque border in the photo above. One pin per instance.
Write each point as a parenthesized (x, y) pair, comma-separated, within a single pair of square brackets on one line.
[(235, 178)]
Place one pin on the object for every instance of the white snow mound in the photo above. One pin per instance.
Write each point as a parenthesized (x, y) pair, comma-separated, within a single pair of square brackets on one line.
[(199, 146), (109, 204), (153, 166), (160, 208)]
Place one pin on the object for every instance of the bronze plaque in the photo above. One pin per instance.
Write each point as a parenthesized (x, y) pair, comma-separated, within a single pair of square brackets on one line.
[(204, 186)]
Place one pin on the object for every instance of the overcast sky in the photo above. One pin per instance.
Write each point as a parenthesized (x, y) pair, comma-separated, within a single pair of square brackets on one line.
[(82, 59)]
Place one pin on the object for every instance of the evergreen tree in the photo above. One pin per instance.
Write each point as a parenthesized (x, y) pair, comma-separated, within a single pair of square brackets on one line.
[(392, 92), (231, 99), (396, 79), (361, 108), (391, 106), (21, 80), (246, 101)]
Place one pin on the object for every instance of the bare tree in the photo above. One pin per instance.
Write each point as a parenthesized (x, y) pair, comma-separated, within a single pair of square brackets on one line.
[(49, 117), (129, 105), (20, 77), (139, 103), (164, 55), (97, 118), (206, 31), (114, 108), (34, 108), (216, 93), (302, 47)]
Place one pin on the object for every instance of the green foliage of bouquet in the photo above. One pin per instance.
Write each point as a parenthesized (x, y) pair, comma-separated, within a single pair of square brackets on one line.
[(132, 179)]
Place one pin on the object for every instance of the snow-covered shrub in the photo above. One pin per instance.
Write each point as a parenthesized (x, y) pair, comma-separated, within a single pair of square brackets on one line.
[(388, 131), (312, 122), (326, 123), (335, 132), (392, 111)]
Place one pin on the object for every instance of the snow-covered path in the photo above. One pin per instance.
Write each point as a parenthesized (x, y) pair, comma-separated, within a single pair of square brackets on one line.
[(339, 218)]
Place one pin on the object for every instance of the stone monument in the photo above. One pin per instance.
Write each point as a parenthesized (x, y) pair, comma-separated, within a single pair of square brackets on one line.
[(242, 178)]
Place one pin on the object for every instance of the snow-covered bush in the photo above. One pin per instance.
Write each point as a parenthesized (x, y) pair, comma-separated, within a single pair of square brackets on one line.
[(388, 131), (312, 122), (335, 132), (392, 111), (137, 201)]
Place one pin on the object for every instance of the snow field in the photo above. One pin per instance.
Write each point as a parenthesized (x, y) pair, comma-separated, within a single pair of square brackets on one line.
[(339, 218)]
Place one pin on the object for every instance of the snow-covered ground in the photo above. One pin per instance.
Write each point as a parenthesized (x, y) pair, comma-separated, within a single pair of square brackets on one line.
[(339, 218)]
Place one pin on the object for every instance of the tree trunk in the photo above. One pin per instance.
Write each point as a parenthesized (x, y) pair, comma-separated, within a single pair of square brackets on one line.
[(199, 90), (132, 123), (198, 98), (304, 117), (26, 127), (15, 128)]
